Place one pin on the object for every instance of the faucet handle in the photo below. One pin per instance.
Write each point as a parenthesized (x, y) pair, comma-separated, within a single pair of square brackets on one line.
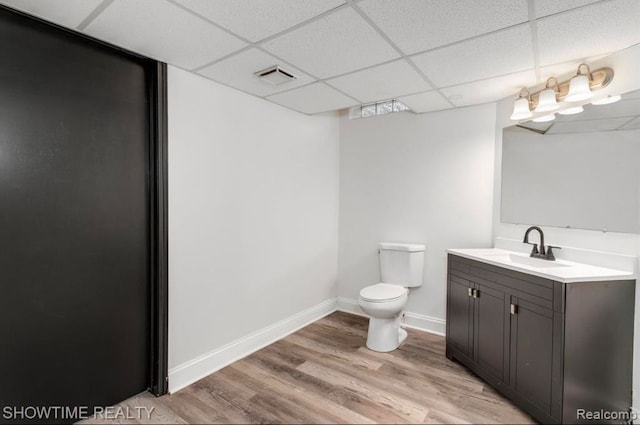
[(534, 249), (550, 249)]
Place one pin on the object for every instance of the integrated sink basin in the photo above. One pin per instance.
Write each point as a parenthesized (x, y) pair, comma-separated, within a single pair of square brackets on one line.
[(517, 258), (558, 270)]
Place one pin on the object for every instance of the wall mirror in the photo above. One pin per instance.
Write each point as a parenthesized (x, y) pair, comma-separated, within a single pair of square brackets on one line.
[(579, 171)]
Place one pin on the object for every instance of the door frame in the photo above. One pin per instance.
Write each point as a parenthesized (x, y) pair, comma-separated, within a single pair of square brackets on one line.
[(157, 196), (159, 244)]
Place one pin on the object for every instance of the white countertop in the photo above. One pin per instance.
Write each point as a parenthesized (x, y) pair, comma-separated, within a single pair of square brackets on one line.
[(559, 270)]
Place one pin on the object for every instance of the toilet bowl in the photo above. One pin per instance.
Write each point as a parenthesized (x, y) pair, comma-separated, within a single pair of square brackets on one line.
[(401, 267), (384, 304)]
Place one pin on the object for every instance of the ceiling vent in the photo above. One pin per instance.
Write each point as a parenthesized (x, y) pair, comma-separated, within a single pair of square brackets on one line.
[(275, 76)]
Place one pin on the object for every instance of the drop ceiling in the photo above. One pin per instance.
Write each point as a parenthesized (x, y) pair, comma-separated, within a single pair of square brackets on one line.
[(431, 55)]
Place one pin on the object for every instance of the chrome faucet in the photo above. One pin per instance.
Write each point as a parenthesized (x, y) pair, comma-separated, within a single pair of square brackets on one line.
[(546, 253)]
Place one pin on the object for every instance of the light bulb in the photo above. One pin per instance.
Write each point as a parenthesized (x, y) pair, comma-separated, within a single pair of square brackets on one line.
[(521, 109), (545, 118), (607, 100), (579, 89), (571, 111), (547, 101)]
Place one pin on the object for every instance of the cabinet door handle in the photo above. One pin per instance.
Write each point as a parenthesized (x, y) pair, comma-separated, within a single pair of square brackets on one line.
[(476, 293), (514, 309), (470, 292)]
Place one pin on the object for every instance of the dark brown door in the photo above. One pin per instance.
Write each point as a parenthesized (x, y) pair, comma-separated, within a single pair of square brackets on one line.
[(460, 315), (74, 219), (532, 353), (490, 327)]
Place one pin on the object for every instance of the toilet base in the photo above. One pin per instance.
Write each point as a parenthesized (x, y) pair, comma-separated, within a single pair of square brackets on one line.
[(402, 337), (385, 335)]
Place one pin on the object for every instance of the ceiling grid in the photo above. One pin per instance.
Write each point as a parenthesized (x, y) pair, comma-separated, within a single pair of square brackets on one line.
[(431, 55)]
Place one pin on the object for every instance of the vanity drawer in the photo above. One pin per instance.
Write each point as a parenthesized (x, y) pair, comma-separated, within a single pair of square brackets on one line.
[(531, 288)]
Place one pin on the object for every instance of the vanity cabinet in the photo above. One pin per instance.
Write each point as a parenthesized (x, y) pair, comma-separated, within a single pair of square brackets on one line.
[(551, 347), (475, 326)]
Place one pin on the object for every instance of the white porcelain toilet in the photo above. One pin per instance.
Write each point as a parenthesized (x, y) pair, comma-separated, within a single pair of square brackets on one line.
[(401, 267)]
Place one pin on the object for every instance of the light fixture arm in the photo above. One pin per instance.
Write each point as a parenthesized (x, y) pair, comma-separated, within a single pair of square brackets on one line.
[(588, 73), (524, 94), (555, 86)]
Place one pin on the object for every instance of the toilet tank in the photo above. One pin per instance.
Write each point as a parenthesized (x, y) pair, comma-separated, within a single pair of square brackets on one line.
[(401, 263)]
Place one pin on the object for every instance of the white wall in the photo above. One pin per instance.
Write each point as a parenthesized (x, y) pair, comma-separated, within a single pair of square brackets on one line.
[(253, 215), (625, 65), (253, 206), (414, 178)]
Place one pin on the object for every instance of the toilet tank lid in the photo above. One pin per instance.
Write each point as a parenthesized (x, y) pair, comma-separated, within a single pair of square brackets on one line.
[(393, 246)]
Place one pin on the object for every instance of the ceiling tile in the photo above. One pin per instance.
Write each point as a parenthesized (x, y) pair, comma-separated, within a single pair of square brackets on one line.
[(417, 25), (335, 44), (426, 102), (381, 82), (566, 70), (489, 90), (68, 13), (238, 71), (162, 31), (589, 31), (550, 7), (258, 19), (314, 98), (491, 55)]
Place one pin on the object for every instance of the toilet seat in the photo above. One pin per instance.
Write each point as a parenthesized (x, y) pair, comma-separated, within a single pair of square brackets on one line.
[(382, 292)]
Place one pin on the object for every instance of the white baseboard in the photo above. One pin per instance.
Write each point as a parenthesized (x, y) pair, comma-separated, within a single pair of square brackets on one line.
[(196, 369), (412, 320), (350, 306), (425, 323), (187, 373)]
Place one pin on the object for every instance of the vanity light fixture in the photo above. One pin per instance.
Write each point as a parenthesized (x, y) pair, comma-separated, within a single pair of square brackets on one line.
[(521, 110), (565, 97)]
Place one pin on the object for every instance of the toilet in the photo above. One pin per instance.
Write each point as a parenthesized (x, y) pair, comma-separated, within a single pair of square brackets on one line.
[(401, 268)]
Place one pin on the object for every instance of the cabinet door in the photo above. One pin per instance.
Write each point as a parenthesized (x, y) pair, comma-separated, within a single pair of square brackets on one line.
[(460, 315), (532, 353), (491, 331)]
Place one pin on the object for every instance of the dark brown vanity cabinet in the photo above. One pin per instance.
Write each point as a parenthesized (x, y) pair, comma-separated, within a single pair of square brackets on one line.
[(555, 349), (476, 328)]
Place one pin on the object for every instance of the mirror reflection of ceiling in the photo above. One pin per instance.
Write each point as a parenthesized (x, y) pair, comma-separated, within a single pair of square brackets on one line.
[(622, 115), (429, 54)]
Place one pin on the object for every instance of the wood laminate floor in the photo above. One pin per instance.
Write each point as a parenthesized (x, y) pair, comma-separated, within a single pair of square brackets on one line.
[(324, 374)]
